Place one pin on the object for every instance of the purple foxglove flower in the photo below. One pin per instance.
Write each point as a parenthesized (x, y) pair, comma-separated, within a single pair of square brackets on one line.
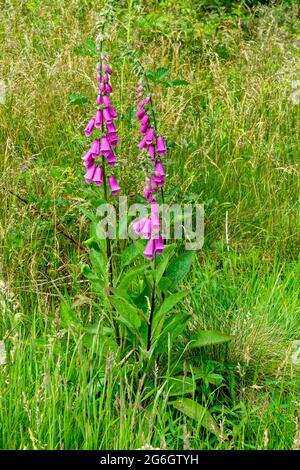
[(159, 169), (113, 139), (108, 88), (99, 99), (89, 128), (111, 128), (106, 78), (143, 129), (159, 245), (90, 174), (146, 230), (113, 185), (99, 118), (155, 224), (98, 176), (102, 87), (99, 77), (142, 144), (141, 112), (111, 159), (145, 119), (140, 88), (107, 116), (97, 67), (105, 147), (147, 99), (141, 104), (107, 69), (137, 226), (113, 112), (95, 149), (151, 151), (149, 136), (139, 95), (160, 146), (106, 101), (150, 249)]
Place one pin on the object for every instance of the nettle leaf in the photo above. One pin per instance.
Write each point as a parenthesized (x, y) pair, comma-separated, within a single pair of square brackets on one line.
[(86, 48), (132, 252), (128, 313), (181, 386), (77, 98), (209, 338), (173, 83), (197, 412), (179, 267)]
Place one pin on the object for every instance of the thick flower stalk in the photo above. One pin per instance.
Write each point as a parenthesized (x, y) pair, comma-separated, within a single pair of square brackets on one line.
[(155, 147), (101, 152)]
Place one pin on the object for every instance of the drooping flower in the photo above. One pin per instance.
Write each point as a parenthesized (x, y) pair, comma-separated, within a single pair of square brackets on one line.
[(150, 249), (160, 146), (113, 185), (98, 175), (89, 128)]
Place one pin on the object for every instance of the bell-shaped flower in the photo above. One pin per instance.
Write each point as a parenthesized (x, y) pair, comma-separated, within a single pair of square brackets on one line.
[(105, 147), (149, 136), (95, 149), (159, 245), (160, 146), (98, 176), (90, 174), (150, 249), (113, 185), (99, 118), (89, 128), (106, 101)]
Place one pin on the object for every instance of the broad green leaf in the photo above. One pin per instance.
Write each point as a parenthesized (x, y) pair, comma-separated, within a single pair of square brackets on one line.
[(88, 273), (208, 377), (162, 72), (128, 313), (99, 262), (209, 338), (132, 252), (181, 386), (179, 267), (197, 412), (164, 284), (166, 306), (86, 48), (77, 98), (151, 75), (132, 275), (171, 83)]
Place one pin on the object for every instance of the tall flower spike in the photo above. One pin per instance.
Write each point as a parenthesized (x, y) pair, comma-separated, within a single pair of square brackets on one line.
[(155, 145), (107, 138)]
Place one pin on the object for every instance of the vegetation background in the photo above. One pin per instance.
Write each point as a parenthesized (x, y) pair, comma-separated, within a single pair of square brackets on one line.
[(234, 131)]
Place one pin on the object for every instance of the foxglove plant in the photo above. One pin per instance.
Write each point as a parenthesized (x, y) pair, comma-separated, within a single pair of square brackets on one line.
[(153, 144), (101, 156)]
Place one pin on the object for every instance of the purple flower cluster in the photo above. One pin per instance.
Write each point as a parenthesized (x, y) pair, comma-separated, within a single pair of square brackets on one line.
[(108, 138), (149, 227)]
